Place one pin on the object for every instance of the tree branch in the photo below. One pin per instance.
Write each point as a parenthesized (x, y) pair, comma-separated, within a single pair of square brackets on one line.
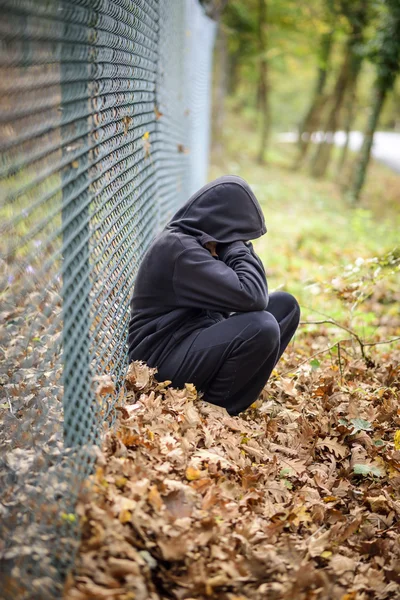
[(361, 343), (350, 331), (382, 342)]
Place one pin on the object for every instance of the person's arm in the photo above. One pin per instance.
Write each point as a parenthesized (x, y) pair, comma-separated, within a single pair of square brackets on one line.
[(234, 283), (253, 252)]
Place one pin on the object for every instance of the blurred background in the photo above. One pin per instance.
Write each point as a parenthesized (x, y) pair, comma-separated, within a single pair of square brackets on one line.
[(306, 103)]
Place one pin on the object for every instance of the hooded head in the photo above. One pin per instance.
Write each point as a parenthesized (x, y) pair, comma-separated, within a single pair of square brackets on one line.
[(223, 211)]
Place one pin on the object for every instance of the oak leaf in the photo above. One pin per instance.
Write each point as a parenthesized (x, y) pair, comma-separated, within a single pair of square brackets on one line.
[(333, 446)]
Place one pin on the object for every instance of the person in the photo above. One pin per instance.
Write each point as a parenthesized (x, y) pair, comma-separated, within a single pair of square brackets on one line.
[(200, 311)]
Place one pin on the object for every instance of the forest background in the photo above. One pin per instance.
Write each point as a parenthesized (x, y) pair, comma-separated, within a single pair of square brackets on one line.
[(313, 69)]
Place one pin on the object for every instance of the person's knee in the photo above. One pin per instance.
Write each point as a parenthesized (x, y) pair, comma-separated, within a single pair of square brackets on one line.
[(288, 303), (265, 329), (294, 307)]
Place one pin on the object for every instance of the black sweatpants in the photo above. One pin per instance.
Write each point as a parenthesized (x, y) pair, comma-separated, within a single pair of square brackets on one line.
[(231, 361)]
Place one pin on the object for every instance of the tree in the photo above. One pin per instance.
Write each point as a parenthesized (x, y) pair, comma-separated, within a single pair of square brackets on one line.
[(214, 8), (387, 58), (360, 21), (311, 120), (263, 86), (356, 13)]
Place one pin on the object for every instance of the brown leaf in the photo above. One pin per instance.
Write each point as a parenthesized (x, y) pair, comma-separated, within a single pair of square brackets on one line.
[(182, 149), (340, 564), (174, 548), (378, 503), (126, 121), (317, 544), (157, 113), (139, 376), (155, 499), (333, 446), (105, 385)]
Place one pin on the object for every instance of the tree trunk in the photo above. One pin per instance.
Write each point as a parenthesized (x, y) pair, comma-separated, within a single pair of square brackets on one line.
[(311, 120), (365, 152), (323, 150), (233, 73), (358, 17), (220, 87), (388, 67), (263, 81), (350, 111), (357, 14)]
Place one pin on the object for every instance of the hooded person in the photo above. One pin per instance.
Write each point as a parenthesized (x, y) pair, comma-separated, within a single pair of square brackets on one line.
[(200, 311)]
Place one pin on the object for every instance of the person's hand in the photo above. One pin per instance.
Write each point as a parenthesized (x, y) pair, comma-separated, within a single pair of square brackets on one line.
[(212, 248)]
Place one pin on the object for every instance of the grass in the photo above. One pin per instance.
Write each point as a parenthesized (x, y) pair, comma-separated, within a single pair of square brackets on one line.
[(329, 255)]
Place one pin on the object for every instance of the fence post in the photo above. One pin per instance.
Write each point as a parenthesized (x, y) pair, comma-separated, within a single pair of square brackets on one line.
[(78, 401)]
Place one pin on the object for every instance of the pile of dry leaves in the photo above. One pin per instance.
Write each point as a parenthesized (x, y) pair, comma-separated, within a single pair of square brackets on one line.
[(295, 499)]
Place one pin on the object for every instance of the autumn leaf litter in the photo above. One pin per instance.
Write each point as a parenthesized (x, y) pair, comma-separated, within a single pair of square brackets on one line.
[(295, 498)]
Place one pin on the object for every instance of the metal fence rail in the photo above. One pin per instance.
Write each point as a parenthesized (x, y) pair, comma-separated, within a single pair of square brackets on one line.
[(104, 132)]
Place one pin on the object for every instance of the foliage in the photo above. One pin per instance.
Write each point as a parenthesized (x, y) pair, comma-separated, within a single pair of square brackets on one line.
[(385, 46), (282, 502), (293, 52), (320, 57)]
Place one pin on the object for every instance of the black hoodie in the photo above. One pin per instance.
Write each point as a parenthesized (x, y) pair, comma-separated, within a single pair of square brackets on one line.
[(180, 288)]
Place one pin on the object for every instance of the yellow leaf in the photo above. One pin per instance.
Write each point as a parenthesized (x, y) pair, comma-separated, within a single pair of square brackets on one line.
[(301, 515), (146, 144), (125, 516), (192, 474), (191, 392), (326, 554), (120, 482), (70, 517), (397, 440), (349, 596), (155, 498), (392, 472)]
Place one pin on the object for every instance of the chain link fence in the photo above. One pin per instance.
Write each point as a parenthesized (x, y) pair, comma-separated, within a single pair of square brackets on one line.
[(104, 132)]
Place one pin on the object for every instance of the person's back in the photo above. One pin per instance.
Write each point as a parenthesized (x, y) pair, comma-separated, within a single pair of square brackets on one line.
[(159, 317), (198, 271)]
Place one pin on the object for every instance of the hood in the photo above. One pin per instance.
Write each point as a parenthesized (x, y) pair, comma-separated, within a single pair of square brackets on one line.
[(223, 211)]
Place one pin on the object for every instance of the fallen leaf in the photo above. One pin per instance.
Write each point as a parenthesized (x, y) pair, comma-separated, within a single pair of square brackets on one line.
[(341, 564), (105, 385), (333, 446), (192, 473)]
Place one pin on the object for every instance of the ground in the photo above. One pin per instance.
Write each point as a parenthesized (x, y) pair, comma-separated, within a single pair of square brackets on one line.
[(298, 497)]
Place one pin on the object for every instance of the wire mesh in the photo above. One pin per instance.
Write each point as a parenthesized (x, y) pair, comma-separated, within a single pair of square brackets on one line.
[(104, 132)]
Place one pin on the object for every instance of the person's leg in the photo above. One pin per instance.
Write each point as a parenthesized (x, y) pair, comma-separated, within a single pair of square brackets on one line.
[(230, 361), (285, 308)]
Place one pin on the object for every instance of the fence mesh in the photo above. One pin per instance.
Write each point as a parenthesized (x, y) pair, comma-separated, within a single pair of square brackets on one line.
[(104, 131)]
